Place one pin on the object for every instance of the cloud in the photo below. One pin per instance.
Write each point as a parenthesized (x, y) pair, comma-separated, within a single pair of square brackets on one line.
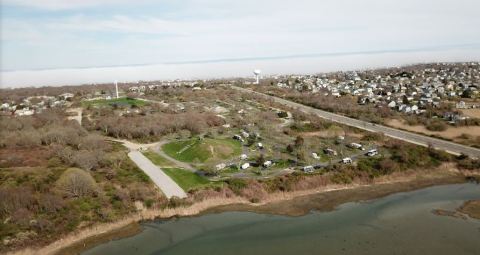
[(56, 5), (110, 34)]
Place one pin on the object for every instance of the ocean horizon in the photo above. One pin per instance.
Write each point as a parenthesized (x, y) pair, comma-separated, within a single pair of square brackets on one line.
[(237, 67)]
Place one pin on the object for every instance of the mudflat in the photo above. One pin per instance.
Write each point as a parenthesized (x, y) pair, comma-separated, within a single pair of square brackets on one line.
[(471, 208), (327, 201)]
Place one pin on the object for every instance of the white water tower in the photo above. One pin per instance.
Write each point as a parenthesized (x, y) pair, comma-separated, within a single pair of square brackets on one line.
[(257, 73)]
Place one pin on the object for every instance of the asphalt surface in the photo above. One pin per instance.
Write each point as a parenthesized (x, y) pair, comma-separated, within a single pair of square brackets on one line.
[(450, 147), (163, 181)]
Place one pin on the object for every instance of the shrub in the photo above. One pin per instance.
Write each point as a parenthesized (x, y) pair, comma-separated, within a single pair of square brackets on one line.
[(436, 125), (75, 182), (236, 185), (373, 136), (469, 164)]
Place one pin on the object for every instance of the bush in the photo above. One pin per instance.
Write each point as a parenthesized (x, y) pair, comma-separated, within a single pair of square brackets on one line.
[(436, 125), (75, 182), (373, 136), (469, 164), (236, 185)]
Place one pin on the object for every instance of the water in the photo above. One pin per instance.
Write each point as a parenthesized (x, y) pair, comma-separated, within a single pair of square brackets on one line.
[(396, 224)]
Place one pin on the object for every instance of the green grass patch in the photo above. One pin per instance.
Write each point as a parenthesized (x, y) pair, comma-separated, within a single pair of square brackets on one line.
[(201, 150), (123, 101), (186, 179), (157, 159)]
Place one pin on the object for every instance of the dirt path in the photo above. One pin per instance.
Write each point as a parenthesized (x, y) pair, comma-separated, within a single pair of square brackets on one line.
[(78, 117), (158, 149)]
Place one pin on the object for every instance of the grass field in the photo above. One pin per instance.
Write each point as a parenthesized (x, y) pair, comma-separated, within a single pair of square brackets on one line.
[(123, 101), (201, 150), (186, 179), (157, 159)]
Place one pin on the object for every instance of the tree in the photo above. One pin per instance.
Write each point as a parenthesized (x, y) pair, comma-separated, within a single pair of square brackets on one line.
[(76, 182), (299, 141), (87, 160)]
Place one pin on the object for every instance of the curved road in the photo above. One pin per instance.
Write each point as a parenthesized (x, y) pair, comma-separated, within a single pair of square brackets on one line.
[(450, 147), (158, 149)]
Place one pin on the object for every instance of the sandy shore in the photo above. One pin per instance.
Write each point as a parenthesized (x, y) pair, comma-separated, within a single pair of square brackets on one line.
[(287, 203)]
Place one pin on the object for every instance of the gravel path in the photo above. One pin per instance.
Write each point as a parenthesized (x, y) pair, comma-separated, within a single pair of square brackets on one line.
[(158, 149), (163, 181)]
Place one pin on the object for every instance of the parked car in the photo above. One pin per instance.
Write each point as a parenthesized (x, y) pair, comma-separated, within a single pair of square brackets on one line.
[(308, 169), (347, 161)]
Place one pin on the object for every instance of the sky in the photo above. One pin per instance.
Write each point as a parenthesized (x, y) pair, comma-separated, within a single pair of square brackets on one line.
[(95, 40)]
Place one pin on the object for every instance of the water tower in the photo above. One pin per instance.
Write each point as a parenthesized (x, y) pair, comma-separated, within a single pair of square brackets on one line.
[(257, 73)]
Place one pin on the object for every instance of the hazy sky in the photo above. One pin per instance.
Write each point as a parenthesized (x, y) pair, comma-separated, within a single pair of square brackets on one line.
[(50, 34)]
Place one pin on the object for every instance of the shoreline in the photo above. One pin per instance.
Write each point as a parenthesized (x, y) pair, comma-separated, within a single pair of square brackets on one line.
[(295, 203)]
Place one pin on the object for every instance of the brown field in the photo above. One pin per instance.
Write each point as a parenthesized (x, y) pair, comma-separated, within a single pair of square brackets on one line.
[(472, 113), (451, 133), (21, 157)]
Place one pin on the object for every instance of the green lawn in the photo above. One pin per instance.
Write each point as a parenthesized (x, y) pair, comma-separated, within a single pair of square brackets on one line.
[(196, 150), (186, 179), (157, 159), (123, 101)]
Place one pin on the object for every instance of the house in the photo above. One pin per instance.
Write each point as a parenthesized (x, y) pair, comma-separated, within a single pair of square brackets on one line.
[(24, 112), (5, 106), (308, 169), (66, 96), (315, 155), (245, 166), (133, 89), (260, 145), (243, 156), (461, 105), (347, 161)]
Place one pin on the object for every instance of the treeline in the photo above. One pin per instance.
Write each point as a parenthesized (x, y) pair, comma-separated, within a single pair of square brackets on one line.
[(152, 126)]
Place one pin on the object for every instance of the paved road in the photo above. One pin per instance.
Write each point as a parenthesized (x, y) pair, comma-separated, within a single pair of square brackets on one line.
[(453, 148), (163, 181)]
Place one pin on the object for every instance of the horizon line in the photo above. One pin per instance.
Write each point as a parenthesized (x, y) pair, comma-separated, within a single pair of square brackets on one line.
[(263, 58)]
